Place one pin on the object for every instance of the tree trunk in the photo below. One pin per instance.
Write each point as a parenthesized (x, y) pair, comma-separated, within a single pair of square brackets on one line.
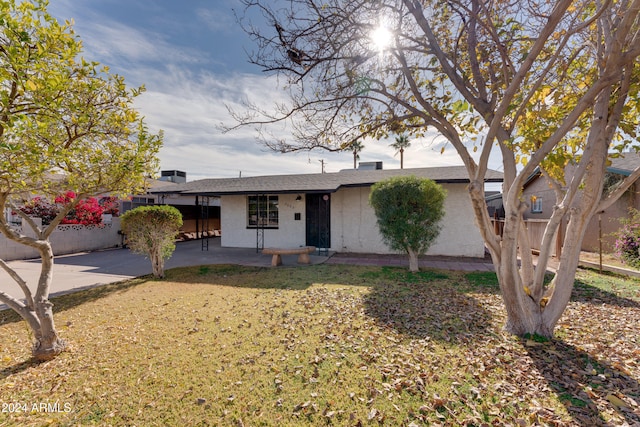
[(36, 309), (413, 260), (522, 314), (531, 307), (157, 263), (47, 344)]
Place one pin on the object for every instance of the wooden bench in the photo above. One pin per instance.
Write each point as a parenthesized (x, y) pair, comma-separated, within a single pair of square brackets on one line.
[(302, 252)]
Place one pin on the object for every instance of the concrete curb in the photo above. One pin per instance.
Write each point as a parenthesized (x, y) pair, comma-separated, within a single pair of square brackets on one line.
[(610, 268)]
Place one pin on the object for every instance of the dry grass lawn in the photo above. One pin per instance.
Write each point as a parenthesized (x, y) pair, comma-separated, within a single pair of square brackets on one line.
[(324, 345)]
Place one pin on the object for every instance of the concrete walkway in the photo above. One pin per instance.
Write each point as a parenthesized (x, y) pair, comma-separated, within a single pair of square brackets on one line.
[(85, 270)]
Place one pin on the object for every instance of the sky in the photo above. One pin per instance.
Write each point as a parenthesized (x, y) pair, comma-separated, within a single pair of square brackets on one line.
[(192, 57)]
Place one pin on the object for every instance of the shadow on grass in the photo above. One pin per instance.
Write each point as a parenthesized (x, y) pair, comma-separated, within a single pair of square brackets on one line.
[(425, 304), (592, 390), (487, 282), (224, 274), (589, 388), (431, 304), (17, 368), (586, 293), (76, 298), (294, 277)]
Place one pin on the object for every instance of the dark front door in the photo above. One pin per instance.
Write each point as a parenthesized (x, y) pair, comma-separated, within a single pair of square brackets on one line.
[(318, 212)]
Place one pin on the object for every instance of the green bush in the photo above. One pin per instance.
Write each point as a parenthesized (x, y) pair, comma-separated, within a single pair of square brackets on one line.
[(409, 211), (151, 231)]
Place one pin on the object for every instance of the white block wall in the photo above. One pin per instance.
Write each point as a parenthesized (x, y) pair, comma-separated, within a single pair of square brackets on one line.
[(66, 239), (353, 224), (236, 234), (354, 227)]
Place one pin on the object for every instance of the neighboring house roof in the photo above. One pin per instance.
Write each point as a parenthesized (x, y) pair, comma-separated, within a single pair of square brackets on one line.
[(325, 182), (152, 184), (625, 164)]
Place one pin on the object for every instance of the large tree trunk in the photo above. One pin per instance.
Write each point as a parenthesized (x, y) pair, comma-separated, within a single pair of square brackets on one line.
[(37, 310), (532, 307), (522, 314), (47, 344)]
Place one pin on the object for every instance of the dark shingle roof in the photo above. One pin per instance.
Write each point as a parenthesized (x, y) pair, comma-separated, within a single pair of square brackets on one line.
[(324, 182), (625, 164)]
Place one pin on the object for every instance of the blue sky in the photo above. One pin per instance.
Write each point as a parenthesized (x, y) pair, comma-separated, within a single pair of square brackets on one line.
[(192, 58)]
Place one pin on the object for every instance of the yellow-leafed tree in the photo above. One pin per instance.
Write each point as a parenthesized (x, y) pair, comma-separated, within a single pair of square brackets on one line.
[(66, 124)]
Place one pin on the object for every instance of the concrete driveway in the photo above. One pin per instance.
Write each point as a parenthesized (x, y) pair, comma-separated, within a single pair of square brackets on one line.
[(84, 270)]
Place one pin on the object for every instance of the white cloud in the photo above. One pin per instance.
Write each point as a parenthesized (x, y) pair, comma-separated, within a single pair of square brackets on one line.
[(189, 108), (216, 19), (126, 47), (188, 101)]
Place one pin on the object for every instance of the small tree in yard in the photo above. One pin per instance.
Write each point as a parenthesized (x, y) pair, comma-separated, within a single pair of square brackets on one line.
[(60, 117), (409, 211), (151, 231)]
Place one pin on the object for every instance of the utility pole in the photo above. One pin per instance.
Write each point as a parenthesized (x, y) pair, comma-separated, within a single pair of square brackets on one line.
[(322, 163)]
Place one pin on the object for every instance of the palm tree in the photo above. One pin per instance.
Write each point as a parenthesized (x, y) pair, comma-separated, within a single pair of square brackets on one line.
[(356, 147), (402, 142)]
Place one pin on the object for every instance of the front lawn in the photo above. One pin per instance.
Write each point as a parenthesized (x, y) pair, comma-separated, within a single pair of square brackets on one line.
[(324, 345)]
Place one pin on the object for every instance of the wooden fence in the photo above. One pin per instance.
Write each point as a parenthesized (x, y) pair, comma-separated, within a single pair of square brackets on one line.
[(536, 228)]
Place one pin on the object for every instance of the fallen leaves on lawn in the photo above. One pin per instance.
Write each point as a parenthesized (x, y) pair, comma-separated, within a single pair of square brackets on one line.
[(375, 348)]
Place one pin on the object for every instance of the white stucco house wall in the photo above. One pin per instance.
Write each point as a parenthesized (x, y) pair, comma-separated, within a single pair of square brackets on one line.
[(332, 211)]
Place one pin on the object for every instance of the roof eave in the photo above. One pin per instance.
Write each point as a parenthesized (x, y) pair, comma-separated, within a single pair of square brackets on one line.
[(254, 192), (317, 190), (618, 171)]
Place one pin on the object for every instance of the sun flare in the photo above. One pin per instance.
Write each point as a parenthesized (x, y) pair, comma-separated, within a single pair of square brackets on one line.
[(381, 38)]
